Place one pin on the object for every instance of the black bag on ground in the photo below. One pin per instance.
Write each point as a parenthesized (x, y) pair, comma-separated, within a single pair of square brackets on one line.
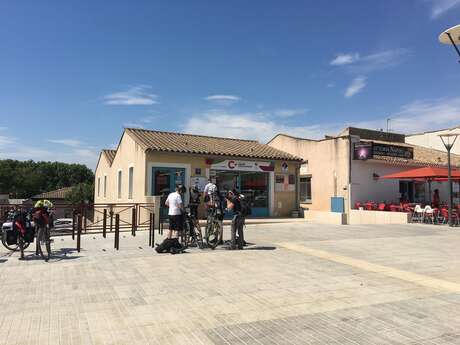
[(169, 245)]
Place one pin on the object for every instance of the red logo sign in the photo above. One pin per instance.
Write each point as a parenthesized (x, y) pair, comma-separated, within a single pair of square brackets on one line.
[(231, 164)]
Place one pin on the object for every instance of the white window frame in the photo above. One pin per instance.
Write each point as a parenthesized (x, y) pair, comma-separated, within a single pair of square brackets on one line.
[(305, 201), (131, 182), (98, 186), (119, 184)]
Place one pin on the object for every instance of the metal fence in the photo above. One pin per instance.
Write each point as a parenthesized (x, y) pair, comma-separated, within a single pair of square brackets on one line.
[(100, 218)]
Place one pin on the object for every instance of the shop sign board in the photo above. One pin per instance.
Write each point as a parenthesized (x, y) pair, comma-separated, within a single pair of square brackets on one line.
[(240, 165), (199, 182), (366, 150)]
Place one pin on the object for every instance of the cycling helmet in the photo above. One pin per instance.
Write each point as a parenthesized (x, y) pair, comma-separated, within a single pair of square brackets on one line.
[(43, 203)]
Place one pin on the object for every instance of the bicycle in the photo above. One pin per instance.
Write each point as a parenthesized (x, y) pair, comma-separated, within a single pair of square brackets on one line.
[(17, 232), (213, 227), (191, 236)]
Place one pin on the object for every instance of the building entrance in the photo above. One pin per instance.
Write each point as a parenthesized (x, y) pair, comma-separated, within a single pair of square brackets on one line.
[(253, 185)]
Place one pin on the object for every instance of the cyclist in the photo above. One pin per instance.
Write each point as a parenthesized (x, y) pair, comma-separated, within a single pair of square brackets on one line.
[(195, 200), (42, 213), (234, 204)]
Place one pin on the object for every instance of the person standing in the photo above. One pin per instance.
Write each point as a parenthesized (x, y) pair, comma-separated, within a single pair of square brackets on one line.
[(234, 204), (436, 200), (175, 205)]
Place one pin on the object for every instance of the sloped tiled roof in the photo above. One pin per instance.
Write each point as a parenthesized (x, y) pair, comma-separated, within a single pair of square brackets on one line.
[(110, 155), (54, 194), (207, 145)]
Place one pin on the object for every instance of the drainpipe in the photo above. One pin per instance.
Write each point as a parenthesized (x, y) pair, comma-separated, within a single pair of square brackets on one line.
[(350, 152)]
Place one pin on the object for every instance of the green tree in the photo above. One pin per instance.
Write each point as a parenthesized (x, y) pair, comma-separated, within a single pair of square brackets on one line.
[(23, 179), (81, 193)]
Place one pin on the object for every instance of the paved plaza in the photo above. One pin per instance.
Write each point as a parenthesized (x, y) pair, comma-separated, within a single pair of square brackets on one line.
[(296, 283)]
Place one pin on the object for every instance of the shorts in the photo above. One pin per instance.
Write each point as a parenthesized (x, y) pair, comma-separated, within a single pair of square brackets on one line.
[(176, 222)]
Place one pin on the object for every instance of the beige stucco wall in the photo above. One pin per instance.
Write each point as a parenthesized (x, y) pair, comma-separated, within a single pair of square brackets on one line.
[(327, 163), (129, 153)]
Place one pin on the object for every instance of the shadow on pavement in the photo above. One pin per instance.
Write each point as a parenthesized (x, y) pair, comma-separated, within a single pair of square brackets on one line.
[(261, 248), (56, 255)]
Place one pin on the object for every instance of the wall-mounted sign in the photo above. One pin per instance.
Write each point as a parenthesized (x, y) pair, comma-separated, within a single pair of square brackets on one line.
[(284, 167), (199, 182), (393, 151), (366, 150), (362, 151), (237, 165)]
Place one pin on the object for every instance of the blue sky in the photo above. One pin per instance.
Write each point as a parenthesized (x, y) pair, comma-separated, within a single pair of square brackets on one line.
[(74, 73)]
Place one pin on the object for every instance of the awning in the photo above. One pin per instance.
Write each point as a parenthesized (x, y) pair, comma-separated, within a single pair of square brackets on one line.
[(427, 173)]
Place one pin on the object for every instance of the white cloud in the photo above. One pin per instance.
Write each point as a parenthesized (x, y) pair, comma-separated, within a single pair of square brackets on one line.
[(414, 117), (66, 142), (440, 7), (135, 95), (366, 63), (356, 86), (223, 99), (427, 115), (289, 112), (4, 140), (345, 59), (86, 153), (250, 126)]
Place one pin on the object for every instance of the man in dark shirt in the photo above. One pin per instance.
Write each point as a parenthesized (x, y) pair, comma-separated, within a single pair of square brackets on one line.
[(234, 204)]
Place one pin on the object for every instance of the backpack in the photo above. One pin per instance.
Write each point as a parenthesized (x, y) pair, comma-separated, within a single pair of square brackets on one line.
[(169, 245), (245, 207)]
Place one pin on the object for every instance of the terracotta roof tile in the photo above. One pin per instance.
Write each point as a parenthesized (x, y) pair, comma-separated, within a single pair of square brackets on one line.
[(207, 145), (110, 155), (54, 194)]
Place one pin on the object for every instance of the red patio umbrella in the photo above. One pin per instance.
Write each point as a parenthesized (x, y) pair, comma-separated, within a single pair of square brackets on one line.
[(426, 173)]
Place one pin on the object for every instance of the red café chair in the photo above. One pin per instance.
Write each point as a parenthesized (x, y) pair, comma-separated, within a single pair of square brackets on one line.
[(394, 208), (357, 205), (369, 206), (382, 206), (443, 215)]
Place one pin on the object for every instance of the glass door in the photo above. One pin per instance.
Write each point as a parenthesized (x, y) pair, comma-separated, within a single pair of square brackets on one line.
[(164, 181)]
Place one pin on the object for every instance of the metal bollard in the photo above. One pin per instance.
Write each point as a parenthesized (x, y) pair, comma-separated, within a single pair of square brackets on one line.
[(111, 220), (79, 224), (150, 230), (117, 232), (74, 222), (133, 222), (153, 229), (104, 224)]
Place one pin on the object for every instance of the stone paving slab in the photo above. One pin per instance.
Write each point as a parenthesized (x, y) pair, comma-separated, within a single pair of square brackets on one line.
[(282, 289)]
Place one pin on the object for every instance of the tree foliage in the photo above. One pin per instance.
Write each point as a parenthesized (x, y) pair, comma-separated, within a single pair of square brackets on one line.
[(23, 179), (81, 193)]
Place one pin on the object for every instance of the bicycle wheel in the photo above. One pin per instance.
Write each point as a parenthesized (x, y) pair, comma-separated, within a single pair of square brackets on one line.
[(13, 247), (198, 235), (212, 238), (44, 243)]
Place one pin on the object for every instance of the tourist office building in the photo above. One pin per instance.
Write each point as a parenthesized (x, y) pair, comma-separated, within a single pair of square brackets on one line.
[(339, 171), (151, 163)]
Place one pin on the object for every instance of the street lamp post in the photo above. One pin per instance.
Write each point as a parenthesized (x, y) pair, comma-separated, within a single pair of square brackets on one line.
[(448, 139), (451, 36)]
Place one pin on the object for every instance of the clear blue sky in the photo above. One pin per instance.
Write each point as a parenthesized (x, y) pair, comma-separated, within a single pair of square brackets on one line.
[(74, 73)]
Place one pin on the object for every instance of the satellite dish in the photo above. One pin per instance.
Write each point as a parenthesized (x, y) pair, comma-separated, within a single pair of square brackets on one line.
[(453, 32)]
